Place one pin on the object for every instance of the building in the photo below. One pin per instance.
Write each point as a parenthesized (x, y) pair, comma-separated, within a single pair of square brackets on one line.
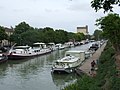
[(83, 30), (8, 31)]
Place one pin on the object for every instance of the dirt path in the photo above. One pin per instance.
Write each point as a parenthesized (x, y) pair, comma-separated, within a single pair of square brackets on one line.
[(86, 66)]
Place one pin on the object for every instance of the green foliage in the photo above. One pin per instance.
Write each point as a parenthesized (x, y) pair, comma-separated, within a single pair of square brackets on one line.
[(80, 36), (25, 34), (61, 35), (98, 35), (111, 28), (22, 27), (106, 78), (83, 83), (76, 37), (26, 37), (15, 38), (48, 34), (3, 35), (107, 5)]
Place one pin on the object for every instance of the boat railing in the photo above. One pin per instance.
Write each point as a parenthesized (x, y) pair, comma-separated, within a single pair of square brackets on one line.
[(61, 65)]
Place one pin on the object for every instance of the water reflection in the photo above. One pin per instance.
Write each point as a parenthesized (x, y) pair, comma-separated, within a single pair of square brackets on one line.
[(3, 70), (62, 80)]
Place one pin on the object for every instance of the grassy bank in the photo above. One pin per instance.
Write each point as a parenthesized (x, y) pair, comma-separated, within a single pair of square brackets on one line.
[(106, 78)]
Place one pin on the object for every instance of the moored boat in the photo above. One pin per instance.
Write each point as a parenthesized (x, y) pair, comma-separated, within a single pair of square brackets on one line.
[(60, 46), (42, 47), (52, 46), (3, 58), (68, 63), (23, 52)]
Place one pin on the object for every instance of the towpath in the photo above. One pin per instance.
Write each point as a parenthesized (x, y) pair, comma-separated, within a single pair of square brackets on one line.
[(86, 66)]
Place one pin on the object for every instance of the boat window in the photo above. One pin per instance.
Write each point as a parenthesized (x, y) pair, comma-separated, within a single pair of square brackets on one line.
[(14, 52), (0, 51), (67, 54), (56, 63)]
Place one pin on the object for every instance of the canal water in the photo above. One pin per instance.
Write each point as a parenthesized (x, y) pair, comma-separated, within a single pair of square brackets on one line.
[(35, 73)]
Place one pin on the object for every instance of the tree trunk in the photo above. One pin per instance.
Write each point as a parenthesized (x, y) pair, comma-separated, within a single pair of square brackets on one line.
[(117, 57), (117, 62)]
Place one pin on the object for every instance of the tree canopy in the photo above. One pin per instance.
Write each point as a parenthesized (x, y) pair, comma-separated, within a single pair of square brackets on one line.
[(111, 28), (98, 34), (22, 27), (3, 35), (25, 34), (107, 5)]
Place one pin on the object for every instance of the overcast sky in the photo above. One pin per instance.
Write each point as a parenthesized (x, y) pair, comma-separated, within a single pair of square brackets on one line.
[(57, 14)]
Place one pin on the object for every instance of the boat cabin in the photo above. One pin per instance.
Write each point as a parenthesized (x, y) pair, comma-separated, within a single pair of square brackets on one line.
[(39, 45), (80, 54), (21, 49)]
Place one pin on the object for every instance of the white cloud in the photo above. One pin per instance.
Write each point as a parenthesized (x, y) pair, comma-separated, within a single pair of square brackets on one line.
[(1, 7)]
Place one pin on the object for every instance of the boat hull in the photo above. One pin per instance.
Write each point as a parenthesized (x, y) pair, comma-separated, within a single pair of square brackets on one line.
[(20, 57), (64, 70), (4, 59), (17, 57)]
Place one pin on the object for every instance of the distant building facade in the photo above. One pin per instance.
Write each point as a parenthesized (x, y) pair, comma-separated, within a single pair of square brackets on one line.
[(83, 30), (8, 31)]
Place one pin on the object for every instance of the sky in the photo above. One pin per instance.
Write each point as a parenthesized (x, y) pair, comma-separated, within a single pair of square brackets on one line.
[(57, 14)]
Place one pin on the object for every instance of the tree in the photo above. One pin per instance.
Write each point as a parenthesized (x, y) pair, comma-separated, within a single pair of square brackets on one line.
[(3, 35), (22, 27), (71, 36), (29, 37), (19, 30), (98, 34), (79, 36), (107, 5), (111, 28), (61, 36), (49, 34), (15, 38)]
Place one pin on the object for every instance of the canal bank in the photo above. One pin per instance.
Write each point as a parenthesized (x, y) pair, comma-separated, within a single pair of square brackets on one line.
[(86, 66)]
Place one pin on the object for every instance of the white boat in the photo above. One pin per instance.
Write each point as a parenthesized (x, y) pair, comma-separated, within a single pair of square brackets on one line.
[(23, 52), (52, 46), (42, 46), (68, 63), (3, 58), (71, 44), (60, 46)]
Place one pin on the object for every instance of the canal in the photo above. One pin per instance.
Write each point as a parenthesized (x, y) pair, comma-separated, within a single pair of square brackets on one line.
[(35, 73)]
